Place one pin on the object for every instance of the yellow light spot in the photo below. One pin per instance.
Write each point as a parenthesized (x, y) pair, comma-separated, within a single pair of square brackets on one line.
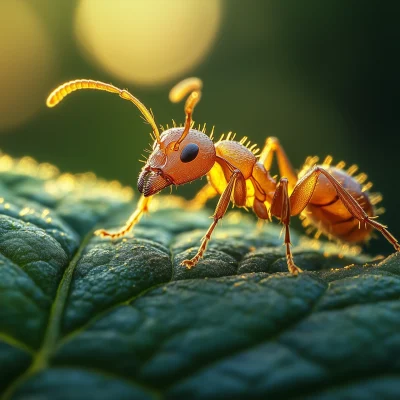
[(24, 211), (48, 220), (26, 65), (46, 171), (147, 42), (6, 163), (27, 164), (7, 206)]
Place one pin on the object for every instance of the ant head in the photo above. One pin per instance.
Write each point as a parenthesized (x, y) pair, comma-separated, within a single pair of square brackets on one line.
[(169, 165), (180, 155)]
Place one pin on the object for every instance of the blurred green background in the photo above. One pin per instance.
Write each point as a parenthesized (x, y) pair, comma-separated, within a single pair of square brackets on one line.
[(323, 76)]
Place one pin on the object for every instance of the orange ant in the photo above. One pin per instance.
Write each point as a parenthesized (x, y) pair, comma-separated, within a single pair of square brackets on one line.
[(325, 196)]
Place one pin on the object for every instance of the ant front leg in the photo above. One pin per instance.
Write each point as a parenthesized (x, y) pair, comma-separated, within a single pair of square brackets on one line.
[(142, 207), (272, 147), (304, 190), (237, 183), (280, 207)]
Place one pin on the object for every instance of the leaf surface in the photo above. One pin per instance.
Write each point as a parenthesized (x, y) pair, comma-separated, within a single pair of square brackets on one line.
[(83, 317)]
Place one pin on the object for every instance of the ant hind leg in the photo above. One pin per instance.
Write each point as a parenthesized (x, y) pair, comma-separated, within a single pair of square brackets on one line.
[(304, 190)]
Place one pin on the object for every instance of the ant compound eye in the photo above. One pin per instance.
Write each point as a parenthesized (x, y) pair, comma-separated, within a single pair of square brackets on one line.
[(189, 153)]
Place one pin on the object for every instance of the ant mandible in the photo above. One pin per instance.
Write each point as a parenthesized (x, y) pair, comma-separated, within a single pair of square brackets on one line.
[(325, 196)]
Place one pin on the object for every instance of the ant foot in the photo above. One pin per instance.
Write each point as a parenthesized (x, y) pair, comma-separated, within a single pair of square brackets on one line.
[(104, 233), (294, 269), (189, 264)]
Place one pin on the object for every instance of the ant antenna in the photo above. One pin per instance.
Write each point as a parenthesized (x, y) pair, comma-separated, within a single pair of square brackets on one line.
[(65, 89), (178, 92)]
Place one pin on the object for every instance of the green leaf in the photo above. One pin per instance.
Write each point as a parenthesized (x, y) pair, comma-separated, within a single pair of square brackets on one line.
[(83, 317)]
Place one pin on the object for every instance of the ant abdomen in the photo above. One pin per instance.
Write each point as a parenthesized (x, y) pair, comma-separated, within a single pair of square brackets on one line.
[(329, 214)]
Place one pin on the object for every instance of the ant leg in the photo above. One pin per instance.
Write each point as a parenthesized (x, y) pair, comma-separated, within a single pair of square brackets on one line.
[(220, 211), (280, 207), (142, 207), (206, 193), (272, 147), (304, 190)]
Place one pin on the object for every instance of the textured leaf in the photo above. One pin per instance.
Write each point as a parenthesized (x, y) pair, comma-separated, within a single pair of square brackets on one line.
[(83, 317)]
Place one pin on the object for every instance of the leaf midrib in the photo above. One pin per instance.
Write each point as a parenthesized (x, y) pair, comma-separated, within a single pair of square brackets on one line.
[(41, 359)]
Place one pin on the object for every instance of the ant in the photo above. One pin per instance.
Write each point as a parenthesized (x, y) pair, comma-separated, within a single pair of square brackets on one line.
[(325, 196)]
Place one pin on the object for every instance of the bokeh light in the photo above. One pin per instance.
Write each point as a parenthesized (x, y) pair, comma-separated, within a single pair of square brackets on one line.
[(26, 66), (147, 42)]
